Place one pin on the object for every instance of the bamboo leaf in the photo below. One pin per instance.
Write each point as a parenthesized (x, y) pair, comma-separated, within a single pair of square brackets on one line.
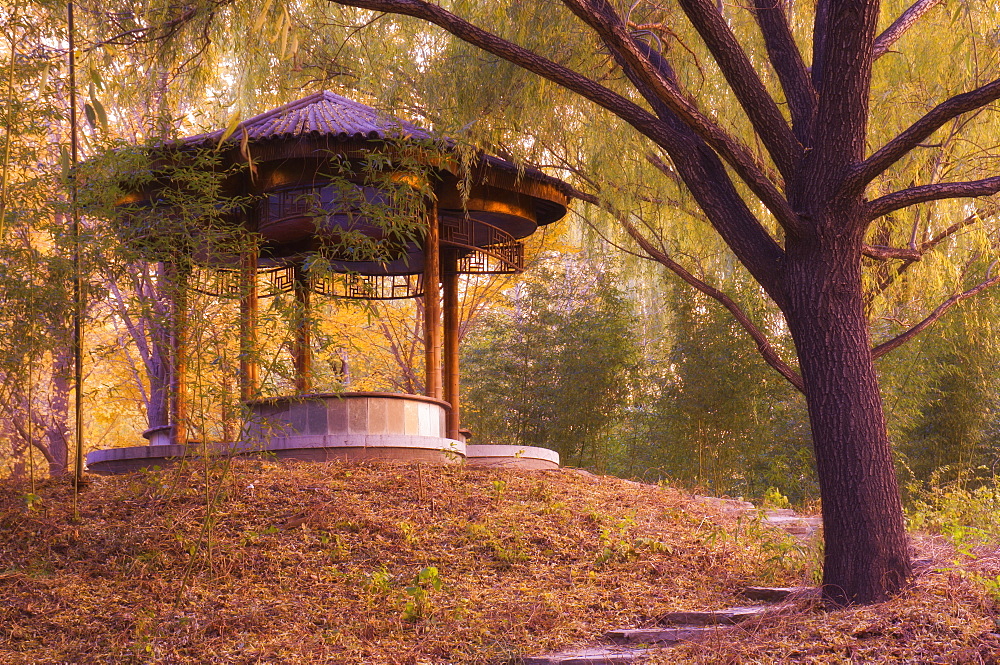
[(43, 81), (64, 164), (234, 122), (102, 115), (88, 111), (286, 24), (278, 30), (262, 16)]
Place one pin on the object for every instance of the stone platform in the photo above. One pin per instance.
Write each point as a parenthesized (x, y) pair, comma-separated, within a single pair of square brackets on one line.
[(322, 427), (318, 427)]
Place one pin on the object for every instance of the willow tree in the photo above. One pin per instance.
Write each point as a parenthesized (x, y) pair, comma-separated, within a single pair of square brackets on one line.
[(783, 125), (795, 184)]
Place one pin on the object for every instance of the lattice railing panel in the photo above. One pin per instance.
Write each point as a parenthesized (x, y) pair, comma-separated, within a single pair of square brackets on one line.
[(492, 250), (369, 287)]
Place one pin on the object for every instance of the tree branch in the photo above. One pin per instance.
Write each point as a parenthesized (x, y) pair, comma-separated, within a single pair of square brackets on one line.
[(656, 129), (652, 76), (898, 341), (891, 34), (787, 61), (928, 245), (745, 83), (760, 339), (934, 192), (639, 118), (696, 157), (915, 134), (883, 253), (751, 174)]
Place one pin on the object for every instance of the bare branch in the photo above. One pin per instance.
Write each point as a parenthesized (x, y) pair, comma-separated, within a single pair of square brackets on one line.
[(745, 83), (934, 192), (787, 61), (764, 346), (986, 211), (662, 133), (697, 157), (883, 253), (641, 119), (892, 34), (915, 134), (928, 245), (898, 341), (653, 76), (759, 182)]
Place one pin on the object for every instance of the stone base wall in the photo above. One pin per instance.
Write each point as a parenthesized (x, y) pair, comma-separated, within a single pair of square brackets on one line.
[(516, 457), (348, 426)]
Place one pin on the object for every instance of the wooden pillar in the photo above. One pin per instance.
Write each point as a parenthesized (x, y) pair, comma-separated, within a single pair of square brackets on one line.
[(449, 279), (249, 370), (432, 306), (177, 276), (302, 347)]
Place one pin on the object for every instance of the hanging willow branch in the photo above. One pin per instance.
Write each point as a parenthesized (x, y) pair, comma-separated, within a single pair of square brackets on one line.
[(764, 346)]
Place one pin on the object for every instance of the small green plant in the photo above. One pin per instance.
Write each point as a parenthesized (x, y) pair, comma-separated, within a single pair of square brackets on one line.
[(967, 516), (990, 583), (251, 537), (32, 501), (775, 500), (617, 545), (418, 607), (409, 531), (780, 554), (339, 550), (505, 551), (499, 489), (379, 581)]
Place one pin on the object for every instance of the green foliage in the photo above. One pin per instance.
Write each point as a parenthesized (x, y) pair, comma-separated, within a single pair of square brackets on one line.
[(714, 415), (427, 581), (943, 393), (773, 498), (550, 368), (967, 514), (617, 544)]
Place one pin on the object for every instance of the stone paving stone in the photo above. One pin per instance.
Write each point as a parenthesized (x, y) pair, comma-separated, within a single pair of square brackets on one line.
[(716, 617), (802, 527), (661, 635), (589, 656)]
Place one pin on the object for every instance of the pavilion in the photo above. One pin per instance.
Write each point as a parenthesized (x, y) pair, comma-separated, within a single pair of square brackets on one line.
[(477, 212)]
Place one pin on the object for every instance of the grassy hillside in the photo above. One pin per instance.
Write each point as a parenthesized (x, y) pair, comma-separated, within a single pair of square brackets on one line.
[(306, 563)]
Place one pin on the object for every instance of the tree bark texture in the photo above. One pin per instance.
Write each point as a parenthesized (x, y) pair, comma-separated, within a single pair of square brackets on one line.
[(866, 555)]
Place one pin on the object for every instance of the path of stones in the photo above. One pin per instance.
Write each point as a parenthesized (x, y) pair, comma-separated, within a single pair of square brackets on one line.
[(631, 645)]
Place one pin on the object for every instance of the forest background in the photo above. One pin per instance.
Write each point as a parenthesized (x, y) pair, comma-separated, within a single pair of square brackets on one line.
[(597, 352)]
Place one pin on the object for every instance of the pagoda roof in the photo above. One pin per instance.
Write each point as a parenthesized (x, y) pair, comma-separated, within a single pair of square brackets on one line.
[(322, 114)]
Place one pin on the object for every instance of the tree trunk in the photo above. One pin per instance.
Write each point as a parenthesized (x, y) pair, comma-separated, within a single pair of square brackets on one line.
[(867, 553), (57, 419)]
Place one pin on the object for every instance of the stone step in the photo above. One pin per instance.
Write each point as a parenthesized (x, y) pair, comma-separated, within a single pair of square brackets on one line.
[(769, 594), (727, 616), (598, 655), (797, 525), (660, 635)]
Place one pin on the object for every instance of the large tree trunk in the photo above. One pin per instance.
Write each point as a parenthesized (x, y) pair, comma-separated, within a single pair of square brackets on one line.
[(867, 553)]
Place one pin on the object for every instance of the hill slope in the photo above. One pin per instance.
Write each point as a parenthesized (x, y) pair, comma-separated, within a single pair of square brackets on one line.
[(307, 563)]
